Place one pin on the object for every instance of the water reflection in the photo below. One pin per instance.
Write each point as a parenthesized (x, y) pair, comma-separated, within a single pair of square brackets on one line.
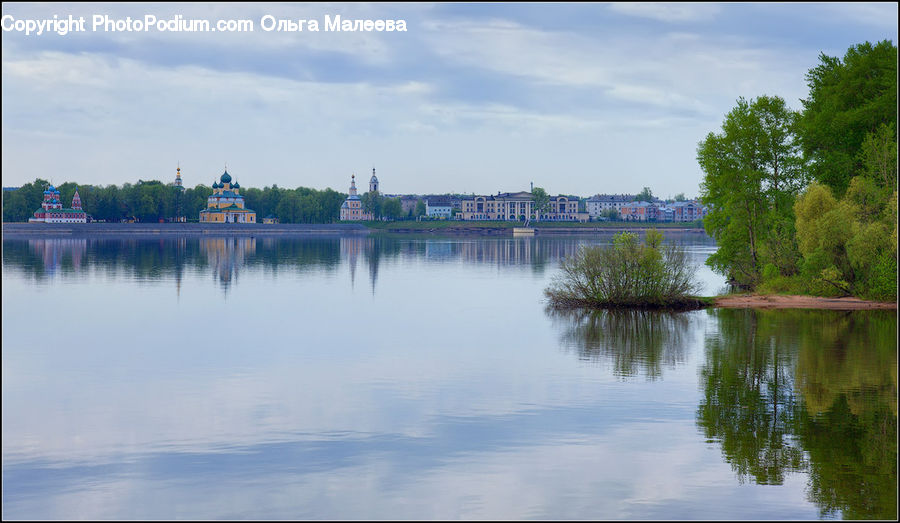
[(811, 391), (226, 257), (420, 403), (636, 342), (57, 252)]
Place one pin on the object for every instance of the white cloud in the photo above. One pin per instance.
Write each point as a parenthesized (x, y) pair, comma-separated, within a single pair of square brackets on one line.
[(667, 12)]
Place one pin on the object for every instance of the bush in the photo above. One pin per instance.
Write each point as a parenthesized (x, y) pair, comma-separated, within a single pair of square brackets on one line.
[(627, 274)]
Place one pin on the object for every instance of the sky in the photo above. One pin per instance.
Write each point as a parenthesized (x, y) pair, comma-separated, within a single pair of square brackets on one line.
[(579, 98)]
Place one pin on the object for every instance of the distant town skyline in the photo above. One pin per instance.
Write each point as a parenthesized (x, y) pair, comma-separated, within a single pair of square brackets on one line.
[(472, 98)]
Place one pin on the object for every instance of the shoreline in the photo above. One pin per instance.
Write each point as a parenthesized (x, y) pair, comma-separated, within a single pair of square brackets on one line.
[(130, 230), (796, 301)]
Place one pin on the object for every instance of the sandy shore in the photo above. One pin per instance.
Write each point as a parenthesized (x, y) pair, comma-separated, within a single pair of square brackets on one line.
[(776, 301)]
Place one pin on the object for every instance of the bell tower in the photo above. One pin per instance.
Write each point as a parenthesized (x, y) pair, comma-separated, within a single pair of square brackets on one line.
[(373, 182)]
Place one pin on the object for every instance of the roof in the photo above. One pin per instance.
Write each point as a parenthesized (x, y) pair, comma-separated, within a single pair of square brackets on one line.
[(611, 198), (230, 208), (61, 210), (522, 195)]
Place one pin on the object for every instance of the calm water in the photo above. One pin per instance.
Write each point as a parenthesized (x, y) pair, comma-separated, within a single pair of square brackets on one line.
[(421, 378)]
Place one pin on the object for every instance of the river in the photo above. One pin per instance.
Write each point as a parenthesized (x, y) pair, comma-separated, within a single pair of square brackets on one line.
[(421, 377)]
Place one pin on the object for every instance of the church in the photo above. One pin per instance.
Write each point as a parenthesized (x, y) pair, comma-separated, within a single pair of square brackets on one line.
[(225, 204), (52, 211), (352, 209)]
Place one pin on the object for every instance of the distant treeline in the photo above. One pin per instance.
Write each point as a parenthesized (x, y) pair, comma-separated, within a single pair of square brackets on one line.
[(152, 201)]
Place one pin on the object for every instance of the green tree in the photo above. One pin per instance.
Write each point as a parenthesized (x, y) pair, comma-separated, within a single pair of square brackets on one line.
[(879, 156), (610, 214), (540, 199), (392, 209), (848, 100), (420, 209), (848, 245), (752, 171), (646, 195), (372, 202), (680, 197), (19, 205)]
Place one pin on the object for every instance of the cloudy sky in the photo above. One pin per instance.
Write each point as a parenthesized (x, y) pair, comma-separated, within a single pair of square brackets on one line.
[(577, 98)]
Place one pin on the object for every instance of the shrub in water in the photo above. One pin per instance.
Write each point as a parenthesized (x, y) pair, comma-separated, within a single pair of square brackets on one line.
[(627, 274)]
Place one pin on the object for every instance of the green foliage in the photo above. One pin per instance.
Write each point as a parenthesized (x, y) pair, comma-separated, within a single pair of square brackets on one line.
[(610, 214), (19, 205), (541, 200), (628, 274), (849, 245), (372, 202), (420, 209), (150, 201), (848, 100), (392, 209), (752, 170), (680, 197), (879, 156), (646, 195)]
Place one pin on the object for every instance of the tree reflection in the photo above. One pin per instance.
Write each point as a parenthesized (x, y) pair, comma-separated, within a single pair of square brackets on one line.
[(816, 391), (749, 404), (847, 374), (635, 341)]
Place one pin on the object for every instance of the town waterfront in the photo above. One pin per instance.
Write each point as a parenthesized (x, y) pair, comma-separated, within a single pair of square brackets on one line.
[(371, 376)]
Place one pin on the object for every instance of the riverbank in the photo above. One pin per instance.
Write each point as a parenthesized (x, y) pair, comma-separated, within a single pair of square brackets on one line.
[(147, 230), (778, 301), (506, 228), (112, 230)]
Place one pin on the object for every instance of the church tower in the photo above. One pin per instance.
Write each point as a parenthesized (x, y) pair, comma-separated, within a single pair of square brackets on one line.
[(373, 182), (76, 201), (352, 208)]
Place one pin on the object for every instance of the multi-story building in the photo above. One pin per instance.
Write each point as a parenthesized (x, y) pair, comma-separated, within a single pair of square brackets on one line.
[(225, 204), (595, 205), (519, 206), (563, 209), (639, 212), (687, 211), (438, 208), (408, 204), (503, 206)]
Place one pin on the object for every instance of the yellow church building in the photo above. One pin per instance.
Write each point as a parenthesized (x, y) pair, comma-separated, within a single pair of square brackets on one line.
[(225, 204)]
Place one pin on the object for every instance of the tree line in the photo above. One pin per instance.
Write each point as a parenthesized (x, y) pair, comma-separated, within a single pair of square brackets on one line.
[(806, 201), (152, 201)]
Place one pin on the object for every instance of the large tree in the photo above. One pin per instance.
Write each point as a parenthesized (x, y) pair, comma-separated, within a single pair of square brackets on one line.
[(848, 100), (646, 195), (752, 172), (541, 200)]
